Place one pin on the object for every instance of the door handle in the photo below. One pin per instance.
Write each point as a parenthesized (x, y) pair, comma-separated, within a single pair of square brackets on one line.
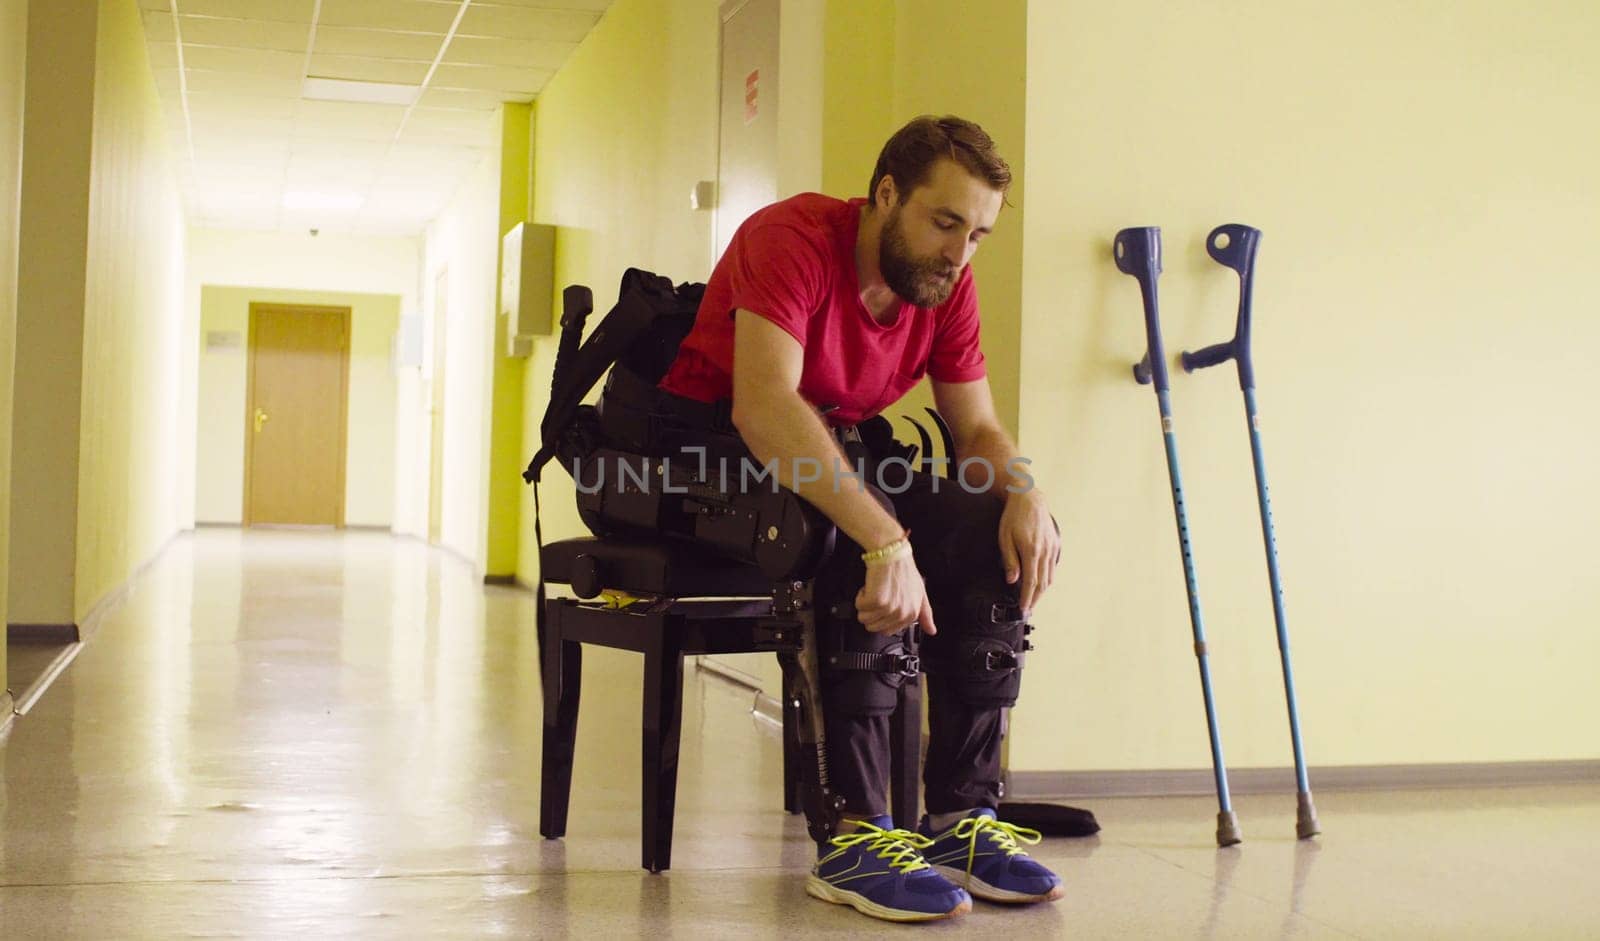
[(261, 419)]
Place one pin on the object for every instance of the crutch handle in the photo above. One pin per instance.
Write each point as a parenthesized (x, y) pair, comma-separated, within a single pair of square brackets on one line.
[(1210, 356), (1232, 245), (1137, 252)]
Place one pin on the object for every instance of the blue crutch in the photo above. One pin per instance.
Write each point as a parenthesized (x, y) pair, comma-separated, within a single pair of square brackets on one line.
[(1234, 246), (1138, 253)]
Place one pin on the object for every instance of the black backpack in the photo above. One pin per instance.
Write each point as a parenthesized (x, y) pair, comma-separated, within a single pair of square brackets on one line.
[(640, 336)]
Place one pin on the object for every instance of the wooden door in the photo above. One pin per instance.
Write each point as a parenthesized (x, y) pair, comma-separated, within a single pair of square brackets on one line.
[(297, 405)]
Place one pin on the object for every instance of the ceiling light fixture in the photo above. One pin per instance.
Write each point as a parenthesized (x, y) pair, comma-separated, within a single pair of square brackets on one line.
[(379, 93)]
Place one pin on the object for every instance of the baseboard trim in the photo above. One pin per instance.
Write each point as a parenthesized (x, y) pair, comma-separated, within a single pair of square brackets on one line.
[(1188, 782), (74, 636), (97, 613), (43, 633), (8, 715), (502, 581), (28, 698)]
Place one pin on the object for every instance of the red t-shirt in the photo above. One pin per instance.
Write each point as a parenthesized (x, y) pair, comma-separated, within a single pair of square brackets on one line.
[(794, 263)]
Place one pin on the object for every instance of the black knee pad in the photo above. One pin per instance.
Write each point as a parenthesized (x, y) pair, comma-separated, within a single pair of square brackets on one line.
[(981, 658), (862, 672)]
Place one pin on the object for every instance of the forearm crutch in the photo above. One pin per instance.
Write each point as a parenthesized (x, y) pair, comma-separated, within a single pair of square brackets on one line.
[(1138, 253), (1234, 246)]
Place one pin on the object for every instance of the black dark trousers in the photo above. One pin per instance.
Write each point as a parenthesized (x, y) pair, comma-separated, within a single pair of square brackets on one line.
[(955, 540)]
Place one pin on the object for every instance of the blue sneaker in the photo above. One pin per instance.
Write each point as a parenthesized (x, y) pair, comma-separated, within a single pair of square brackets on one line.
[(880, 872), (981, 854)]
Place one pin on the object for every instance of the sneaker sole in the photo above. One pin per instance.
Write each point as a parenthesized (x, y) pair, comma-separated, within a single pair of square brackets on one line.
[(983, 890), (821, 889)]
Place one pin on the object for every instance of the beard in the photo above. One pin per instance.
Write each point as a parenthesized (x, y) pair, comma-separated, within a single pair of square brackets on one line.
[(925, 282)]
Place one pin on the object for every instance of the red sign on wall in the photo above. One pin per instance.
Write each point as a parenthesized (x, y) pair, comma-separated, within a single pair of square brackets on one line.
[(752, 95)]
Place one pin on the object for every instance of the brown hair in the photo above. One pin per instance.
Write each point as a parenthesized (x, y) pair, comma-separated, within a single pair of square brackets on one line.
[(910, 154)]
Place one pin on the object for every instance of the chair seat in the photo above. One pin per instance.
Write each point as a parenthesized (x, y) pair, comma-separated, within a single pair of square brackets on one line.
[(648, 567)]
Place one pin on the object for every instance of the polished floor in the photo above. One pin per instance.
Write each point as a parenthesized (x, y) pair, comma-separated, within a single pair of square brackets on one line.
[(283, 735)]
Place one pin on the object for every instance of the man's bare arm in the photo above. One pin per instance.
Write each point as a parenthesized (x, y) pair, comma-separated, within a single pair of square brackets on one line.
[(1030, 542), (778, 425), (968, 407)]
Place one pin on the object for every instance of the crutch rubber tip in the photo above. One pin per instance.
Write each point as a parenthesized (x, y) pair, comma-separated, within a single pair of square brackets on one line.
[(1306, 825), (1228, 829)]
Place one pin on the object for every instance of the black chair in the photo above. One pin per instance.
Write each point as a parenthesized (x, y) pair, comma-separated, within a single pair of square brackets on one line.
[(691, 601)]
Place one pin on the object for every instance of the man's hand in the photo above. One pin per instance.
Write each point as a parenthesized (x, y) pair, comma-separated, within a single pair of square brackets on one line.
[(1030, 545), (893, 597)]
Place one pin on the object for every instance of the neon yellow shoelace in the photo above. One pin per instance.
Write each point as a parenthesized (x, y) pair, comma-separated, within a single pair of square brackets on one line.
[(1005, 835), (902, 848)]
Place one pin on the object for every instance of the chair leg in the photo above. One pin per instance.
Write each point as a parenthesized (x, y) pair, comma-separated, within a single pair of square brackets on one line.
[(791, 739), (663, 718), (905, 753), (563, 676)]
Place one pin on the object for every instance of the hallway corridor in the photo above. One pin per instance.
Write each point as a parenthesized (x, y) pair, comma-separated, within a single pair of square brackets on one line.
[(281, 735)]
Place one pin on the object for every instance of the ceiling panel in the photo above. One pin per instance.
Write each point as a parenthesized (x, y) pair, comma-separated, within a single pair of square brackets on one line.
[(346, 178), (265, 63), (425, 156), (511, 53), (326, 220), (242, 83), (282, 11), (350, 112), (328, 149), (251, 133), (382, 43), (211, 147), (402, 201), (211, 185), (591, 6), (456, 126), (462, 99), (429, 16), (246, 165), (206, 106), (243, 125), (526, 23), (361, 69), (368, 132), (488, 78), (261, 197), (247, 34)]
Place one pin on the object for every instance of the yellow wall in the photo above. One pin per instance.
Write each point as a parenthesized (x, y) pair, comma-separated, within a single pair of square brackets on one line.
[(13, 52), (370, 441), (463, 243), (621, 135), (1424, 176), (127, 506), (53, 236), (937, 46), (506, 460), (858, 92)]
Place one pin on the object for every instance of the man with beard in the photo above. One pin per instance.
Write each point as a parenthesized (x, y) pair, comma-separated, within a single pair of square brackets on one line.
[(821, 314)]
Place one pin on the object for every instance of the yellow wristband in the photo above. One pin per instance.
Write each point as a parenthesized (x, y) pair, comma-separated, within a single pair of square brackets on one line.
[(883, 555)]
